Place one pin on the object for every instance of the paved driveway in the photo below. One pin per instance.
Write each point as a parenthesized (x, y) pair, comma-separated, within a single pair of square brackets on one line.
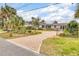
[(33, 42), (9, 49)]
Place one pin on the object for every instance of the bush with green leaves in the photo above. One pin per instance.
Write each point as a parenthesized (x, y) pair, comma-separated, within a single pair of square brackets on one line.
[(73, 28), (30, 28), (29, 31), (22, 30)]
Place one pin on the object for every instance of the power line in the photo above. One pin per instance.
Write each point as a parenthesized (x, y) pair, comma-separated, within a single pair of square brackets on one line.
[(41, 7), (24, 6)]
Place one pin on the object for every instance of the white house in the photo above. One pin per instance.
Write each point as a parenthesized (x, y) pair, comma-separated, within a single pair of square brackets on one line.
[(54, 26)]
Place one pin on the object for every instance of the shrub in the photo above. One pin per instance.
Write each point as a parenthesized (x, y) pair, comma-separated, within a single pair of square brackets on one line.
[(22, 30), (73, 27), (30, 28), (61, 34), (40, 28), (66, 32), (29, 31)]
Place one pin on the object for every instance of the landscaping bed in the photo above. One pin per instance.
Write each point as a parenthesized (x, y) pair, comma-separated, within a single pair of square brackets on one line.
[(10, 35)]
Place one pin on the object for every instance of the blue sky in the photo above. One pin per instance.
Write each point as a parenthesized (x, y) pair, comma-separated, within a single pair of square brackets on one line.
[(26, 6), (47, 11)]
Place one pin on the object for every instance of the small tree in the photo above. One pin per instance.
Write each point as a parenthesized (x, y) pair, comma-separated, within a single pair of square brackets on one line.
[(73, 28), (36, 22)]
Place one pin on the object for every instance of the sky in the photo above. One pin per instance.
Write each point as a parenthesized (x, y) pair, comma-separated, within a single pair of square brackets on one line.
[(46, 11)]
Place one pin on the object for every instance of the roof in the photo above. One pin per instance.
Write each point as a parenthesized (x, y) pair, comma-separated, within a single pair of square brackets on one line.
[(60, 24)]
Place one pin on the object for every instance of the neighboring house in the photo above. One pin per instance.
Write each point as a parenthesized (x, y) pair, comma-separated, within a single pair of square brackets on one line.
[(53, 26)]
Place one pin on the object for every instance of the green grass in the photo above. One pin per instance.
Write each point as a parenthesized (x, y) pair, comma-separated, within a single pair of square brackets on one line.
[(60, 46)]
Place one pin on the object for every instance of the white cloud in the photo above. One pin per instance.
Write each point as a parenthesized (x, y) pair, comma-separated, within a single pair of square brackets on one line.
[(55, 12), (26, 15)]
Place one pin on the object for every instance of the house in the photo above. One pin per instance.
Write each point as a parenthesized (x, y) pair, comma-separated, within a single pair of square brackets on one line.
[(53, 26), (59, 26)]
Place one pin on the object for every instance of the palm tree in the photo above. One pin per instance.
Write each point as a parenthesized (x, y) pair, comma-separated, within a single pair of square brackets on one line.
[(6, 13), (16, 22), (10, 19), (3, 16)]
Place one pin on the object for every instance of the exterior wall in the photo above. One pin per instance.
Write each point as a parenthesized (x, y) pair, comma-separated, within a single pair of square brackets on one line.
[(59, 27), (42, 26), (55, 27)]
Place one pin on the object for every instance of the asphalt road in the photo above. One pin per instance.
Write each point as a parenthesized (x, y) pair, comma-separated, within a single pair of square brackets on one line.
[(9, 49)]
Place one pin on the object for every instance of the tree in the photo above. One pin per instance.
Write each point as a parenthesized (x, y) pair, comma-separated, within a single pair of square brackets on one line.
[(76, 15), (42, 21), (10, 19), (73, 27), (15, 23), (6, 13), (36, 22)]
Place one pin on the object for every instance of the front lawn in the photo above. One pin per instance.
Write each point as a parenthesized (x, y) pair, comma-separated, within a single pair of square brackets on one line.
[(60, 46)]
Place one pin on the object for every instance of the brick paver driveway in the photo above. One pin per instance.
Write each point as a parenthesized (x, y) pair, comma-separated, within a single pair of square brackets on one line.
[(33, 42)]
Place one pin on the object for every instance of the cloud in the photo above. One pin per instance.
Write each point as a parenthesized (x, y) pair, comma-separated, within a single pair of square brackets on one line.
[(26, 15), (60, 13)]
